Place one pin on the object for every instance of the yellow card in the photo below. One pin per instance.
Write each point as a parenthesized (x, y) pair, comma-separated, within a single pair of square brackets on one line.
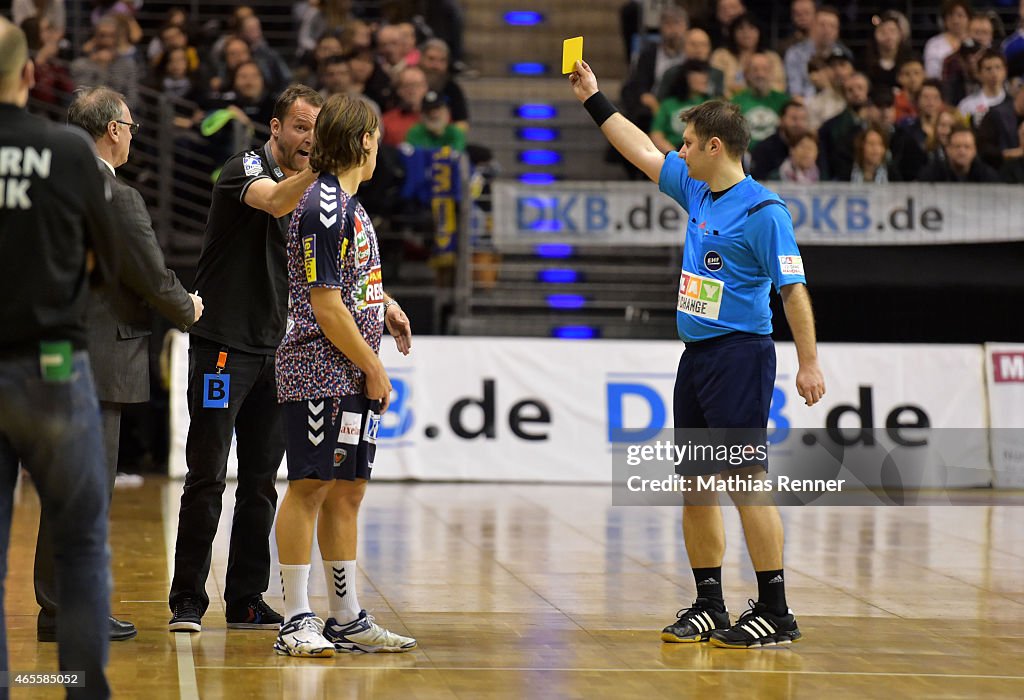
[(572, 51)]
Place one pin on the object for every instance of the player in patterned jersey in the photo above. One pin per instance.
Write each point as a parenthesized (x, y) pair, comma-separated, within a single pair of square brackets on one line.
[(332, 385), (739, 243)]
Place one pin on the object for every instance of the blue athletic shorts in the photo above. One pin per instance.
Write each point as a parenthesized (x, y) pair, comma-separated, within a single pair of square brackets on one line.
[(726, 383), (331, 438)]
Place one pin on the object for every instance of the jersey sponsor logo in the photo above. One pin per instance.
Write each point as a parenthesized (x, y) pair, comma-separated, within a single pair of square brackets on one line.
[(362, 243), (309, 257), (369, 290), (351, 423), (252, 164), (791, 265), (713, 261), (700, 296)]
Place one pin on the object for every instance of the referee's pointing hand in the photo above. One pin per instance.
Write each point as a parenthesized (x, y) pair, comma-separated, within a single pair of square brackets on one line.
[(583, 80)]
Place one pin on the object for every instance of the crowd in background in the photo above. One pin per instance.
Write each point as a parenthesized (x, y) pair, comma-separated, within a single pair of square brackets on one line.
[(946, 108), (220, 75)]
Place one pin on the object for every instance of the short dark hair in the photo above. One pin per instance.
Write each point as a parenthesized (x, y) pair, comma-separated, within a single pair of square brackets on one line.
[(912, 58), (791, 104), (93, 108), (949, 5), (989, 54), (828, 10), (292, 94), (933, 83), (882, 96), (813, 136), (961, 128), (338, 142), (722, 119)]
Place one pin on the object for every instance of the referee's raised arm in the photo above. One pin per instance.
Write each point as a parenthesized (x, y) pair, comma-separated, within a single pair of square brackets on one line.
[(634, 145)]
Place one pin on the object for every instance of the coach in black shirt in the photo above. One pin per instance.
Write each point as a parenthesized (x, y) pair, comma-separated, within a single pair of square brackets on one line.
[(242, 278), (53, 210)]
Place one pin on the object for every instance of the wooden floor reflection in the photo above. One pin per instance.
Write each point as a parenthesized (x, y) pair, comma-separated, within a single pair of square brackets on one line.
[(525, 591)]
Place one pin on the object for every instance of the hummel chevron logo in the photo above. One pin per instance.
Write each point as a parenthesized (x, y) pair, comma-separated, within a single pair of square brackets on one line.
[(316, 424), (328, 221), (315, 408), (327, 188), (777, 579), (328, 206), (315, 439)]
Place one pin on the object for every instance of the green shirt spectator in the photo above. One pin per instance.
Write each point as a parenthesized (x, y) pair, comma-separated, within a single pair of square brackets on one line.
[(422, 137), (667, 121), (760, 104), (761, 111)]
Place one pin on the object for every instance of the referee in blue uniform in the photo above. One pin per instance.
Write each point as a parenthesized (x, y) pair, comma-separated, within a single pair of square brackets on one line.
[(739, 243)]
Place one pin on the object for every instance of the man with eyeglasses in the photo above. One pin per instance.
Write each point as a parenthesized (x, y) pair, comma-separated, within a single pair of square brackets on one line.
[(118, 319)]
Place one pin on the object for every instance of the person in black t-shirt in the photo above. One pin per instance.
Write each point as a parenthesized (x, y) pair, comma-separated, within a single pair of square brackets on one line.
[(242, 277)]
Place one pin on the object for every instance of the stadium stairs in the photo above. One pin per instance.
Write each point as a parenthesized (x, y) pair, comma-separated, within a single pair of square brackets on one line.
[(616, 292)]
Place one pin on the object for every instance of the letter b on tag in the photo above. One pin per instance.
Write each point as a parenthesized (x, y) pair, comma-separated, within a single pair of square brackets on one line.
[(216, 390)]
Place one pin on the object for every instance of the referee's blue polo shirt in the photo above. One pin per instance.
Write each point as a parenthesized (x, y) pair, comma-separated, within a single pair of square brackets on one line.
[(735, 249)]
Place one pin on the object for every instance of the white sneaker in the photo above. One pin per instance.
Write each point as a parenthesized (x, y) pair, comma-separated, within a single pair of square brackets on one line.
[(363, 634), (303, 636)]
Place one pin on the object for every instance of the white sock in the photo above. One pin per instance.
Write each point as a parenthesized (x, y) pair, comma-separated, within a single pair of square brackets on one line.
[(295, 586), (341, 590)]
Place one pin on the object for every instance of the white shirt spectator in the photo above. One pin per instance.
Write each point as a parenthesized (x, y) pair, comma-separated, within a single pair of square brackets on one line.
[(23, 9), (976, 106), (936, 50)]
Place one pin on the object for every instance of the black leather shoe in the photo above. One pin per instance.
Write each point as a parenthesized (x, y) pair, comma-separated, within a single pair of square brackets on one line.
[(120, 630)]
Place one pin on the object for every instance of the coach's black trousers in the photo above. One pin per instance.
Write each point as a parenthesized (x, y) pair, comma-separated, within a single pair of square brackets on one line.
[(253, 415)]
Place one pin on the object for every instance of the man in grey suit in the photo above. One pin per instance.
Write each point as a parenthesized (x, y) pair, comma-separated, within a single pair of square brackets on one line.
[(118, 318)]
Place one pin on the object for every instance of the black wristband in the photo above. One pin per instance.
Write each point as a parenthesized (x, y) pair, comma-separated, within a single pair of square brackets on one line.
[(599, 107)]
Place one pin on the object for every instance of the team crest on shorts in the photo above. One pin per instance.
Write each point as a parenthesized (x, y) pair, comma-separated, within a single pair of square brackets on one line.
[(340, 454)]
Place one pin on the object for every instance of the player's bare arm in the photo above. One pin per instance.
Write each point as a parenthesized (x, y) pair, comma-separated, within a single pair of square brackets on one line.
[(397, 324), (634, 145), (340, 328), (810, 382)]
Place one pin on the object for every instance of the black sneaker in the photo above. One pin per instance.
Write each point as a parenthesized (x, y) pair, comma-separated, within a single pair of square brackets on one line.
[(186, 616), (696, 623), (255, 615), (758, 628)]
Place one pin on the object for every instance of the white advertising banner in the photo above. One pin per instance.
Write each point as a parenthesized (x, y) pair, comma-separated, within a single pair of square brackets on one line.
[(636, 213), (551, 410), (1004, 365)]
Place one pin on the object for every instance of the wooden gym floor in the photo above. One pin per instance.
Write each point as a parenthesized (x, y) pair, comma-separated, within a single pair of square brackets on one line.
[(529, 591)]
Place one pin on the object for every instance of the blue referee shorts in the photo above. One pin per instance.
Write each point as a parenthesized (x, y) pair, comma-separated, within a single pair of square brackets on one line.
[(726, 383)]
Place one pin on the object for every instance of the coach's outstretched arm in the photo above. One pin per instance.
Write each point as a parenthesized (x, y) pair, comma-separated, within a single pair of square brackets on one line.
[(621, 133), (810, 382)]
